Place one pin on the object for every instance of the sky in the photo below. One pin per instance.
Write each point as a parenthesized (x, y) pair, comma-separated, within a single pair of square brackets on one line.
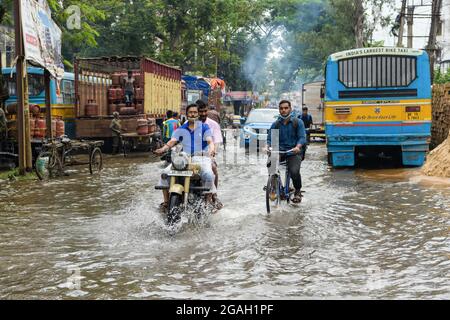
[(421, 26)]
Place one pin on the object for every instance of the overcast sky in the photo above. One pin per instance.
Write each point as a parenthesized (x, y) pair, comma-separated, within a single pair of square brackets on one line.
[(421, 26)]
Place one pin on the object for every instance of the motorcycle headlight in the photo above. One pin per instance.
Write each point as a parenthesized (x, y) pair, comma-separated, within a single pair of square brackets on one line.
[(180, 161)]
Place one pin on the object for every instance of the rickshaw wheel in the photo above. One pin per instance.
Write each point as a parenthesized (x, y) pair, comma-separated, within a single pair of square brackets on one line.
[(96, 161)]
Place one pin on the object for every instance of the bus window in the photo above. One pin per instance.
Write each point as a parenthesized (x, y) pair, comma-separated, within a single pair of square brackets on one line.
[(377, 71), (68, 92), (35, 84)]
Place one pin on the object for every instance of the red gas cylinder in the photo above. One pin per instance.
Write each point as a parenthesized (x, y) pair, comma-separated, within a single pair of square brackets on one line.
[(11, 108), (115, 78), (139, 93), (137, 78), (112, 94), (60, 127), (91, 109), (127, 110), (119, 94), (53, 127), (35, 109), (32, 126), (112, 107), (139, 108), (151, 122), (40, 128), (142, 127)]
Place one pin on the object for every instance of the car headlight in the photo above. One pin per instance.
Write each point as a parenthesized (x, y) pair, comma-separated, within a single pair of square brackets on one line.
[(180, 161), (249, 129)]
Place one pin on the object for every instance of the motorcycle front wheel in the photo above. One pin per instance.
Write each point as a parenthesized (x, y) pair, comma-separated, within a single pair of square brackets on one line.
[(175, 208)]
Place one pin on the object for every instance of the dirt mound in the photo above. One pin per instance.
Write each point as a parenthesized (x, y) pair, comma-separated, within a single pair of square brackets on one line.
[(438, 161)]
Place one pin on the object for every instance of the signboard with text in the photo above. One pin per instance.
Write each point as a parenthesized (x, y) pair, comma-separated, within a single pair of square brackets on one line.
[(42, 37)]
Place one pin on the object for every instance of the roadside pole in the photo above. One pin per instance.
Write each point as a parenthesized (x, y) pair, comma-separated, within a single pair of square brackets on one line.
[(410, 22), (48, 110), (402, 24), (26, 119), (23, 116), (19, 84)]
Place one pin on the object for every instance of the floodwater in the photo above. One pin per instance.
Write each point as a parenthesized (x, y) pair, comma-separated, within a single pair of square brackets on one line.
[(357, 234)]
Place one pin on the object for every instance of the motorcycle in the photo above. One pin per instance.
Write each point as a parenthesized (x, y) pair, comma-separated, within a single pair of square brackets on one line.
[(185, 187)]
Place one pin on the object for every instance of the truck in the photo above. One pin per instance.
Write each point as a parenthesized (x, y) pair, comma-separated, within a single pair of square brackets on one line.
[(311, 98), (99, 92)]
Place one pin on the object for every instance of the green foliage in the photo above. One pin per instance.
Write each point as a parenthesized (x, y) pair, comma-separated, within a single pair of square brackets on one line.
[(441, 77), (232, 39)]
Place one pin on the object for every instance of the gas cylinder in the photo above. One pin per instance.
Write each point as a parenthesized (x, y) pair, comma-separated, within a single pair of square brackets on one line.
[(91, 108), (142, 127), (32, 126), (112, 93), (119, 94), (139, 93), (151, 122), (35, 109), (40, 128), (53, 127), (127, 111), (12, 108), (139, 108), (112, 107), (115, 78), (60, 127), (137, 78)]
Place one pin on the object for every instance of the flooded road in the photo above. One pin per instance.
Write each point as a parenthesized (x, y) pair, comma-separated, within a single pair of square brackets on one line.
[(357, 234)]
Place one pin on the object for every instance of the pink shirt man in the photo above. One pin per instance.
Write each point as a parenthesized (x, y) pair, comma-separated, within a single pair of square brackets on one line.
[(215, 130)]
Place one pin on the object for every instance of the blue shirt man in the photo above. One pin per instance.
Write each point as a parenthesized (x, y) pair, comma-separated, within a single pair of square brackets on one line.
[(194, 141), (290, 135)]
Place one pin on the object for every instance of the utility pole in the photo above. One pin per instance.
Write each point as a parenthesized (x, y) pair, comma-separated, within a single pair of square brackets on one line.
[(20, 92), (23, 123), (410, 22), (402, 24), (431, 46)]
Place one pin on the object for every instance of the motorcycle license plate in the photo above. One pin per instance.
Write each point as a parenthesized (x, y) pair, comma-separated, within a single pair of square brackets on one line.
[(180, 173)]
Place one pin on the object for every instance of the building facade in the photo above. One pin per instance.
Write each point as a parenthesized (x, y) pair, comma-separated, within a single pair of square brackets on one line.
[(6, 46)]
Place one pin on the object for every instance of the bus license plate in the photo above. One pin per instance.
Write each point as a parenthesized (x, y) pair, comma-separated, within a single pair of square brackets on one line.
[(180, 173), (413, 115)]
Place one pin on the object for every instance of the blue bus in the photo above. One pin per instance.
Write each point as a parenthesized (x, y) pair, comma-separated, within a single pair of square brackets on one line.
[(377, 101), (62, 99)]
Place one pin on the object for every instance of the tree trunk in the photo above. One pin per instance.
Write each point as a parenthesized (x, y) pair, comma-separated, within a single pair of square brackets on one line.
[(359, 23)]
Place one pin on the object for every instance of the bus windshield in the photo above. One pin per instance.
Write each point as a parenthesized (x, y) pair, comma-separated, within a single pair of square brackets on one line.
[(35, 84)]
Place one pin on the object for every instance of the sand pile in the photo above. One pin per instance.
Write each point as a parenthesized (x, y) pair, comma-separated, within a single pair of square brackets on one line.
[(438, 161)]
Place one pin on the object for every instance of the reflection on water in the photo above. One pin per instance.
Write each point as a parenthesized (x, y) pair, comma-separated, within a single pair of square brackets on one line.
[(358, 233)]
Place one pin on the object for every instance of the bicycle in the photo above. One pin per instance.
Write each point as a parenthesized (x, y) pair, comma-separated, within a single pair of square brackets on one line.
[(275, 191)]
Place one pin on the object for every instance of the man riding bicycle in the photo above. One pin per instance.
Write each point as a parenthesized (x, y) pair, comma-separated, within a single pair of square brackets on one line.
[(291, 135)]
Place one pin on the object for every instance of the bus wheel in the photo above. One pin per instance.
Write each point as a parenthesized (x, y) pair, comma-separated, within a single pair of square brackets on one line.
[(330, 158)]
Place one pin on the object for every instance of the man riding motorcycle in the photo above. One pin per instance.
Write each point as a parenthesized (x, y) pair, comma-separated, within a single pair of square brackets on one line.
[(196, 138), (292, 136)]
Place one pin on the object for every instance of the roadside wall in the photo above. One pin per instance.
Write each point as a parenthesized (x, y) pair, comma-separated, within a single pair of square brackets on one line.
[(441, 114)]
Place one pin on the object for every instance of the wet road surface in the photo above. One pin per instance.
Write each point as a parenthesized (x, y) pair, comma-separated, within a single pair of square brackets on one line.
[(357, 234)]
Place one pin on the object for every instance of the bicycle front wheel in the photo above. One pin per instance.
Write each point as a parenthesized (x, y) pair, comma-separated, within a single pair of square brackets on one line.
[(272, 193)]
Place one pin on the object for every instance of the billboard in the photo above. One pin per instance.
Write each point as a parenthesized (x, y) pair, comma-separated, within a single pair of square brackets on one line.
[(42, 37)]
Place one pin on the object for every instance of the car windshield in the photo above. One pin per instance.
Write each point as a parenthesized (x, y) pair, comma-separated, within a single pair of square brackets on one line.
[(264, 116)]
